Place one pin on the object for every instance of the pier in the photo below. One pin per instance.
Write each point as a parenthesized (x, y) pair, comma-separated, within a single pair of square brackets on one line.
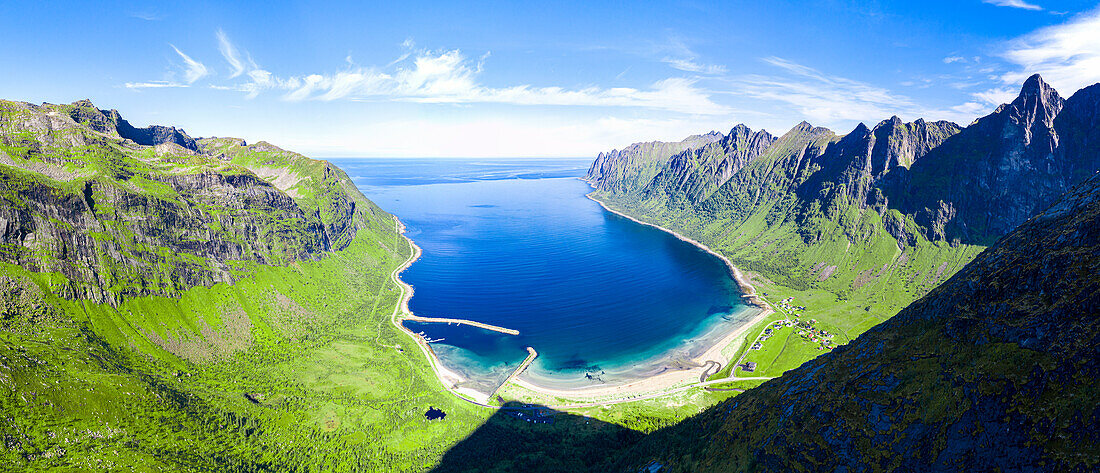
[(471, 323), (531, 355)]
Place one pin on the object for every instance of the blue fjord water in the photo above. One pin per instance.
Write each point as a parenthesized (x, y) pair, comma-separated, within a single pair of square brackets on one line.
[(516, 243)]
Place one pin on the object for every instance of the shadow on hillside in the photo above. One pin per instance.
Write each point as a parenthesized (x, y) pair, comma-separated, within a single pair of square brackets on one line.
[(533, 438)]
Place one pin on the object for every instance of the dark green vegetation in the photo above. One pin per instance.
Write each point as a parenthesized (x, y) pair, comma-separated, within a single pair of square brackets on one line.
[(856, 227), (199, 305), (994, 370)]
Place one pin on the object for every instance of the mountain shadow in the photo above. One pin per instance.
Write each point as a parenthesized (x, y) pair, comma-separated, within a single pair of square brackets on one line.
[(534, 438), (994, 370)]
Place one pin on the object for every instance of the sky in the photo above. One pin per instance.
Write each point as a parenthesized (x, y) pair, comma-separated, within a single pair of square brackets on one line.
[(530, 79)]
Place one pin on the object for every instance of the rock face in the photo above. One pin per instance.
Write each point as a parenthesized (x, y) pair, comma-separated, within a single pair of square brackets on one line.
[(933, 191), (637, 164), (992, 371), (695, 173), (1001, 170), (851, 167), (123, 211)]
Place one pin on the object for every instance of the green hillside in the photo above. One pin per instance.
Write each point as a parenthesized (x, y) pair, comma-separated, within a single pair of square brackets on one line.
[(199, 305), (856, 227)]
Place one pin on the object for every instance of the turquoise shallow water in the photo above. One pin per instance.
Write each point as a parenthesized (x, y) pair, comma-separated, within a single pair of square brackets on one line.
[(517, 244)]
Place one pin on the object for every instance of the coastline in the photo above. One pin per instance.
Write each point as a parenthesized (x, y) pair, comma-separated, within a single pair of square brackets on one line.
[(646, 385), (449, 379), (668, 379), (742, 282)]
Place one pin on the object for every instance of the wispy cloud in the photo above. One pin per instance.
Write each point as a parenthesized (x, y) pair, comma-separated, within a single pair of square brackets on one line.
[(951, 59), (681, 57), (1014, 4), (820, 97), (1067, 54), (689, 65), (229, 52), (449, 77), (153, 85), (194, 70), (145, 15)]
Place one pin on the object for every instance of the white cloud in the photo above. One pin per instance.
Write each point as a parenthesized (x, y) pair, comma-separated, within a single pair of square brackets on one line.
[(153, 85), (997, 96), (229, 52), (448, 77), (951, 59), (1014, 4), (681, 57), (145, 15), (1067, 54), (195, 70)]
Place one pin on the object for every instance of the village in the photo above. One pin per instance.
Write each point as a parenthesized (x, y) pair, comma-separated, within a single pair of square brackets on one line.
[(805, 328)]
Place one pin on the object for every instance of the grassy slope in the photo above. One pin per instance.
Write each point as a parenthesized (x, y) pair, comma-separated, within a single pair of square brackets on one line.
[(788, 246), (295, 366)]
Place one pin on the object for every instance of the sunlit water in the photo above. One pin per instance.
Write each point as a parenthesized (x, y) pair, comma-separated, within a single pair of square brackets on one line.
[(516, 243)]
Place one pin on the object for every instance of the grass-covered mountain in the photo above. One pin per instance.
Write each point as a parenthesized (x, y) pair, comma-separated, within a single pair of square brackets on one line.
[(858, 226), (179, 304), (994, 370)]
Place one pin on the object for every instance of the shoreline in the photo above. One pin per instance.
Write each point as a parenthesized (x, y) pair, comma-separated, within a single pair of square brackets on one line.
[(449, 379), (747, 289), (678, 379)]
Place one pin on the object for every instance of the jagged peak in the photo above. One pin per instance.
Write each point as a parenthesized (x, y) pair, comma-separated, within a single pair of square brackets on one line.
[(1034, 84), (860, 130), (1035, 88), (84, 103)]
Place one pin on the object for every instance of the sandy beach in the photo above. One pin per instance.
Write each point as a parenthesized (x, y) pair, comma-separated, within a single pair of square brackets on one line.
[(643, 385)]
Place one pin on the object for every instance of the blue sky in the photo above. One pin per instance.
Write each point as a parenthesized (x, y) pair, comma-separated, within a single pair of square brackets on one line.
[(524, 79)]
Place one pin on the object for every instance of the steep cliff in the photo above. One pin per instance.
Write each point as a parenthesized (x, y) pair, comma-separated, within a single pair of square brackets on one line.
[(122, 211), (996, 173), (694, 174)]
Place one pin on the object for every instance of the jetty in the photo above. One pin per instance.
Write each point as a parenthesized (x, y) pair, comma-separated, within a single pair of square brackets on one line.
[(471, 323), (531, 355)]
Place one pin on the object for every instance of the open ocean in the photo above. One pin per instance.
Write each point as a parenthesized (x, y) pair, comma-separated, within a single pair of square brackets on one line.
[(516, 243)]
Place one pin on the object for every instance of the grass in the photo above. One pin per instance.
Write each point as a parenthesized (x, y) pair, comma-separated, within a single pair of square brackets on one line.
[(287, 366)]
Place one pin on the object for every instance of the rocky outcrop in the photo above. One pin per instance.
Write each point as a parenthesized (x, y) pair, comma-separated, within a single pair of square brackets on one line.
[(111, 122), (853, 166)]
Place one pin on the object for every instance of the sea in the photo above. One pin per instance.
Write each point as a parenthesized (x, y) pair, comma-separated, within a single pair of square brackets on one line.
[(516, 243)]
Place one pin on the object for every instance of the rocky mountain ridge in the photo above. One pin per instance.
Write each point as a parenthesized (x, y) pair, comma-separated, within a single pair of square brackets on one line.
[(992, 371), (121, 211), (934, 191)]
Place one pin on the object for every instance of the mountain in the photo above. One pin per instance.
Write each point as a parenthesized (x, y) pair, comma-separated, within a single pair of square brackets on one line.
[(860, 225), (992, 371), (996, 173), (178, 304), (695, 173), (636, 164)]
